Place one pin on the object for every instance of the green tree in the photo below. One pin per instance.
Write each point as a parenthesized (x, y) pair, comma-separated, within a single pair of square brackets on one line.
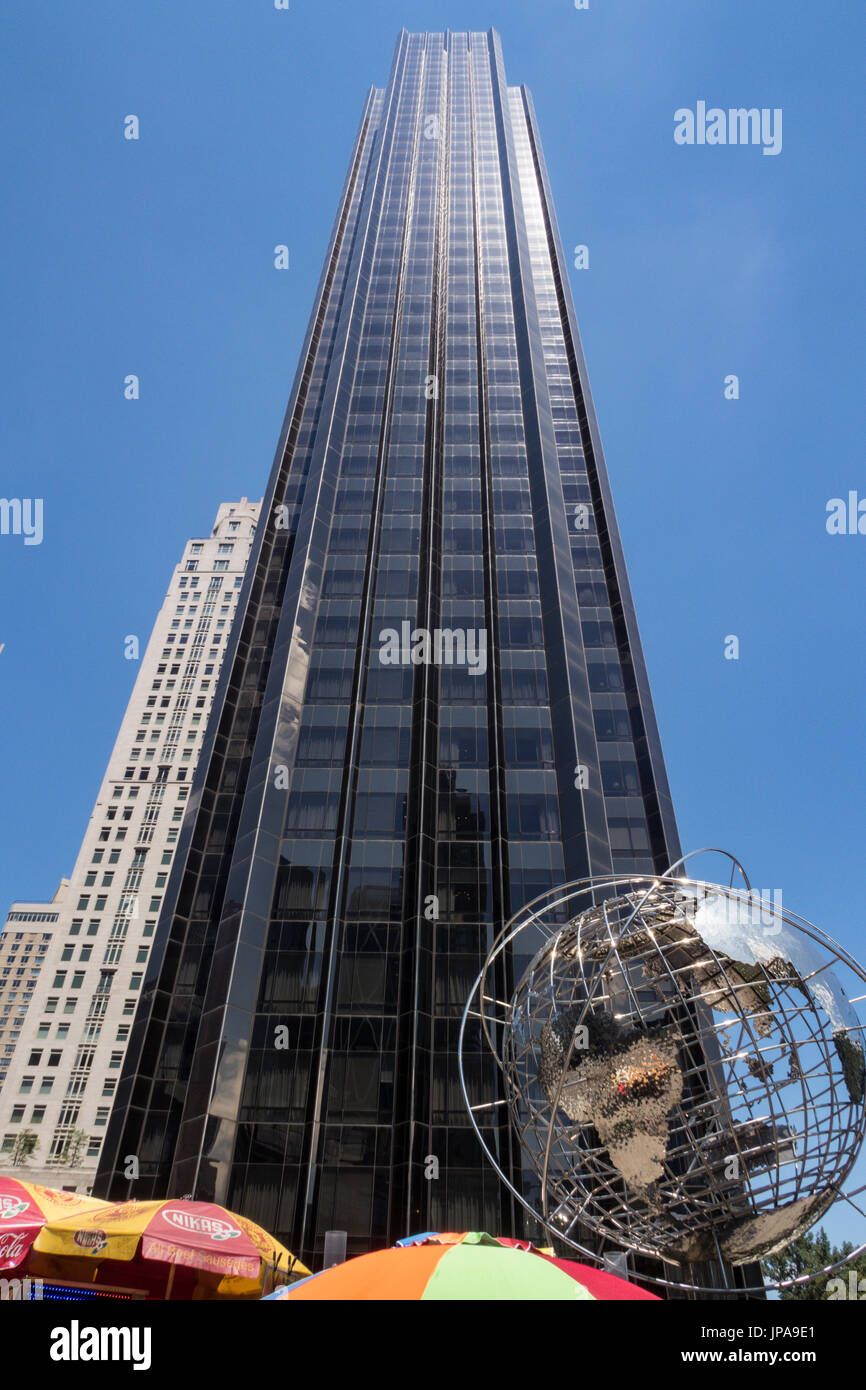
[(26, 1143), (806, 1255)]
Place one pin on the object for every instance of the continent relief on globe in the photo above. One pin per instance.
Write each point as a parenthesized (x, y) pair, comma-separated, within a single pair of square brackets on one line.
[(625, 1080)]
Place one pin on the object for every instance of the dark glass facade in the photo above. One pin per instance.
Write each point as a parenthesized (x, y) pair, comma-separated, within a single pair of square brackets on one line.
[(361, 823)]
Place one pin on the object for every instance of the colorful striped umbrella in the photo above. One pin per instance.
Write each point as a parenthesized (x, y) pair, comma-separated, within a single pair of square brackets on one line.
[(462, 1267), (603, 1286), (25, 1207)]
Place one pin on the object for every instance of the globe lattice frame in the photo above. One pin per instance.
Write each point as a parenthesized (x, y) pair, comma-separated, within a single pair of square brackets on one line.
[(639, 1063)]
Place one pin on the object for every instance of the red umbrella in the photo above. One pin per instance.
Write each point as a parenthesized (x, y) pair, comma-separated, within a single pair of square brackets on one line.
[(25, 1207)]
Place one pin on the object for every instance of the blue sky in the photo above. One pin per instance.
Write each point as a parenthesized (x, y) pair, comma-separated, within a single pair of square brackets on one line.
[(156, 257)]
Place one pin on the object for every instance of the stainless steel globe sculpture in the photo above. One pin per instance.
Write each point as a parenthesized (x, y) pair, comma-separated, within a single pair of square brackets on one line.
[(682, 1065)]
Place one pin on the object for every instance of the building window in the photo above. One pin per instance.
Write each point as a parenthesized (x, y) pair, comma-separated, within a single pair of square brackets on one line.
[(17, 1114)]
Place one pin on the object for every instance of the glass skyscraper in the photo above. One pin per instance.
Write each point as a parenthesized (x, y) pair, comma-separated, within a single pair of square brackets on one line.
[(434, 705)]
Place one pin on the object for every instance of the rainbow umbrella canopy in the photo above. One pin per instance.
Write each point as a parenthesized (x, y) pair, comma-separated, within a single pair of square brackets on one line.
[(231, 1256), (25, 1208), (461, 1267)]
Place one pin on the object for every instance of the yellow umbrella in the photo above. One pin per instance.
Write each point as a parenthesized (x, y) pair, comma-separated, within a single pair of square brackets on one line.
[(234, 1257)]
